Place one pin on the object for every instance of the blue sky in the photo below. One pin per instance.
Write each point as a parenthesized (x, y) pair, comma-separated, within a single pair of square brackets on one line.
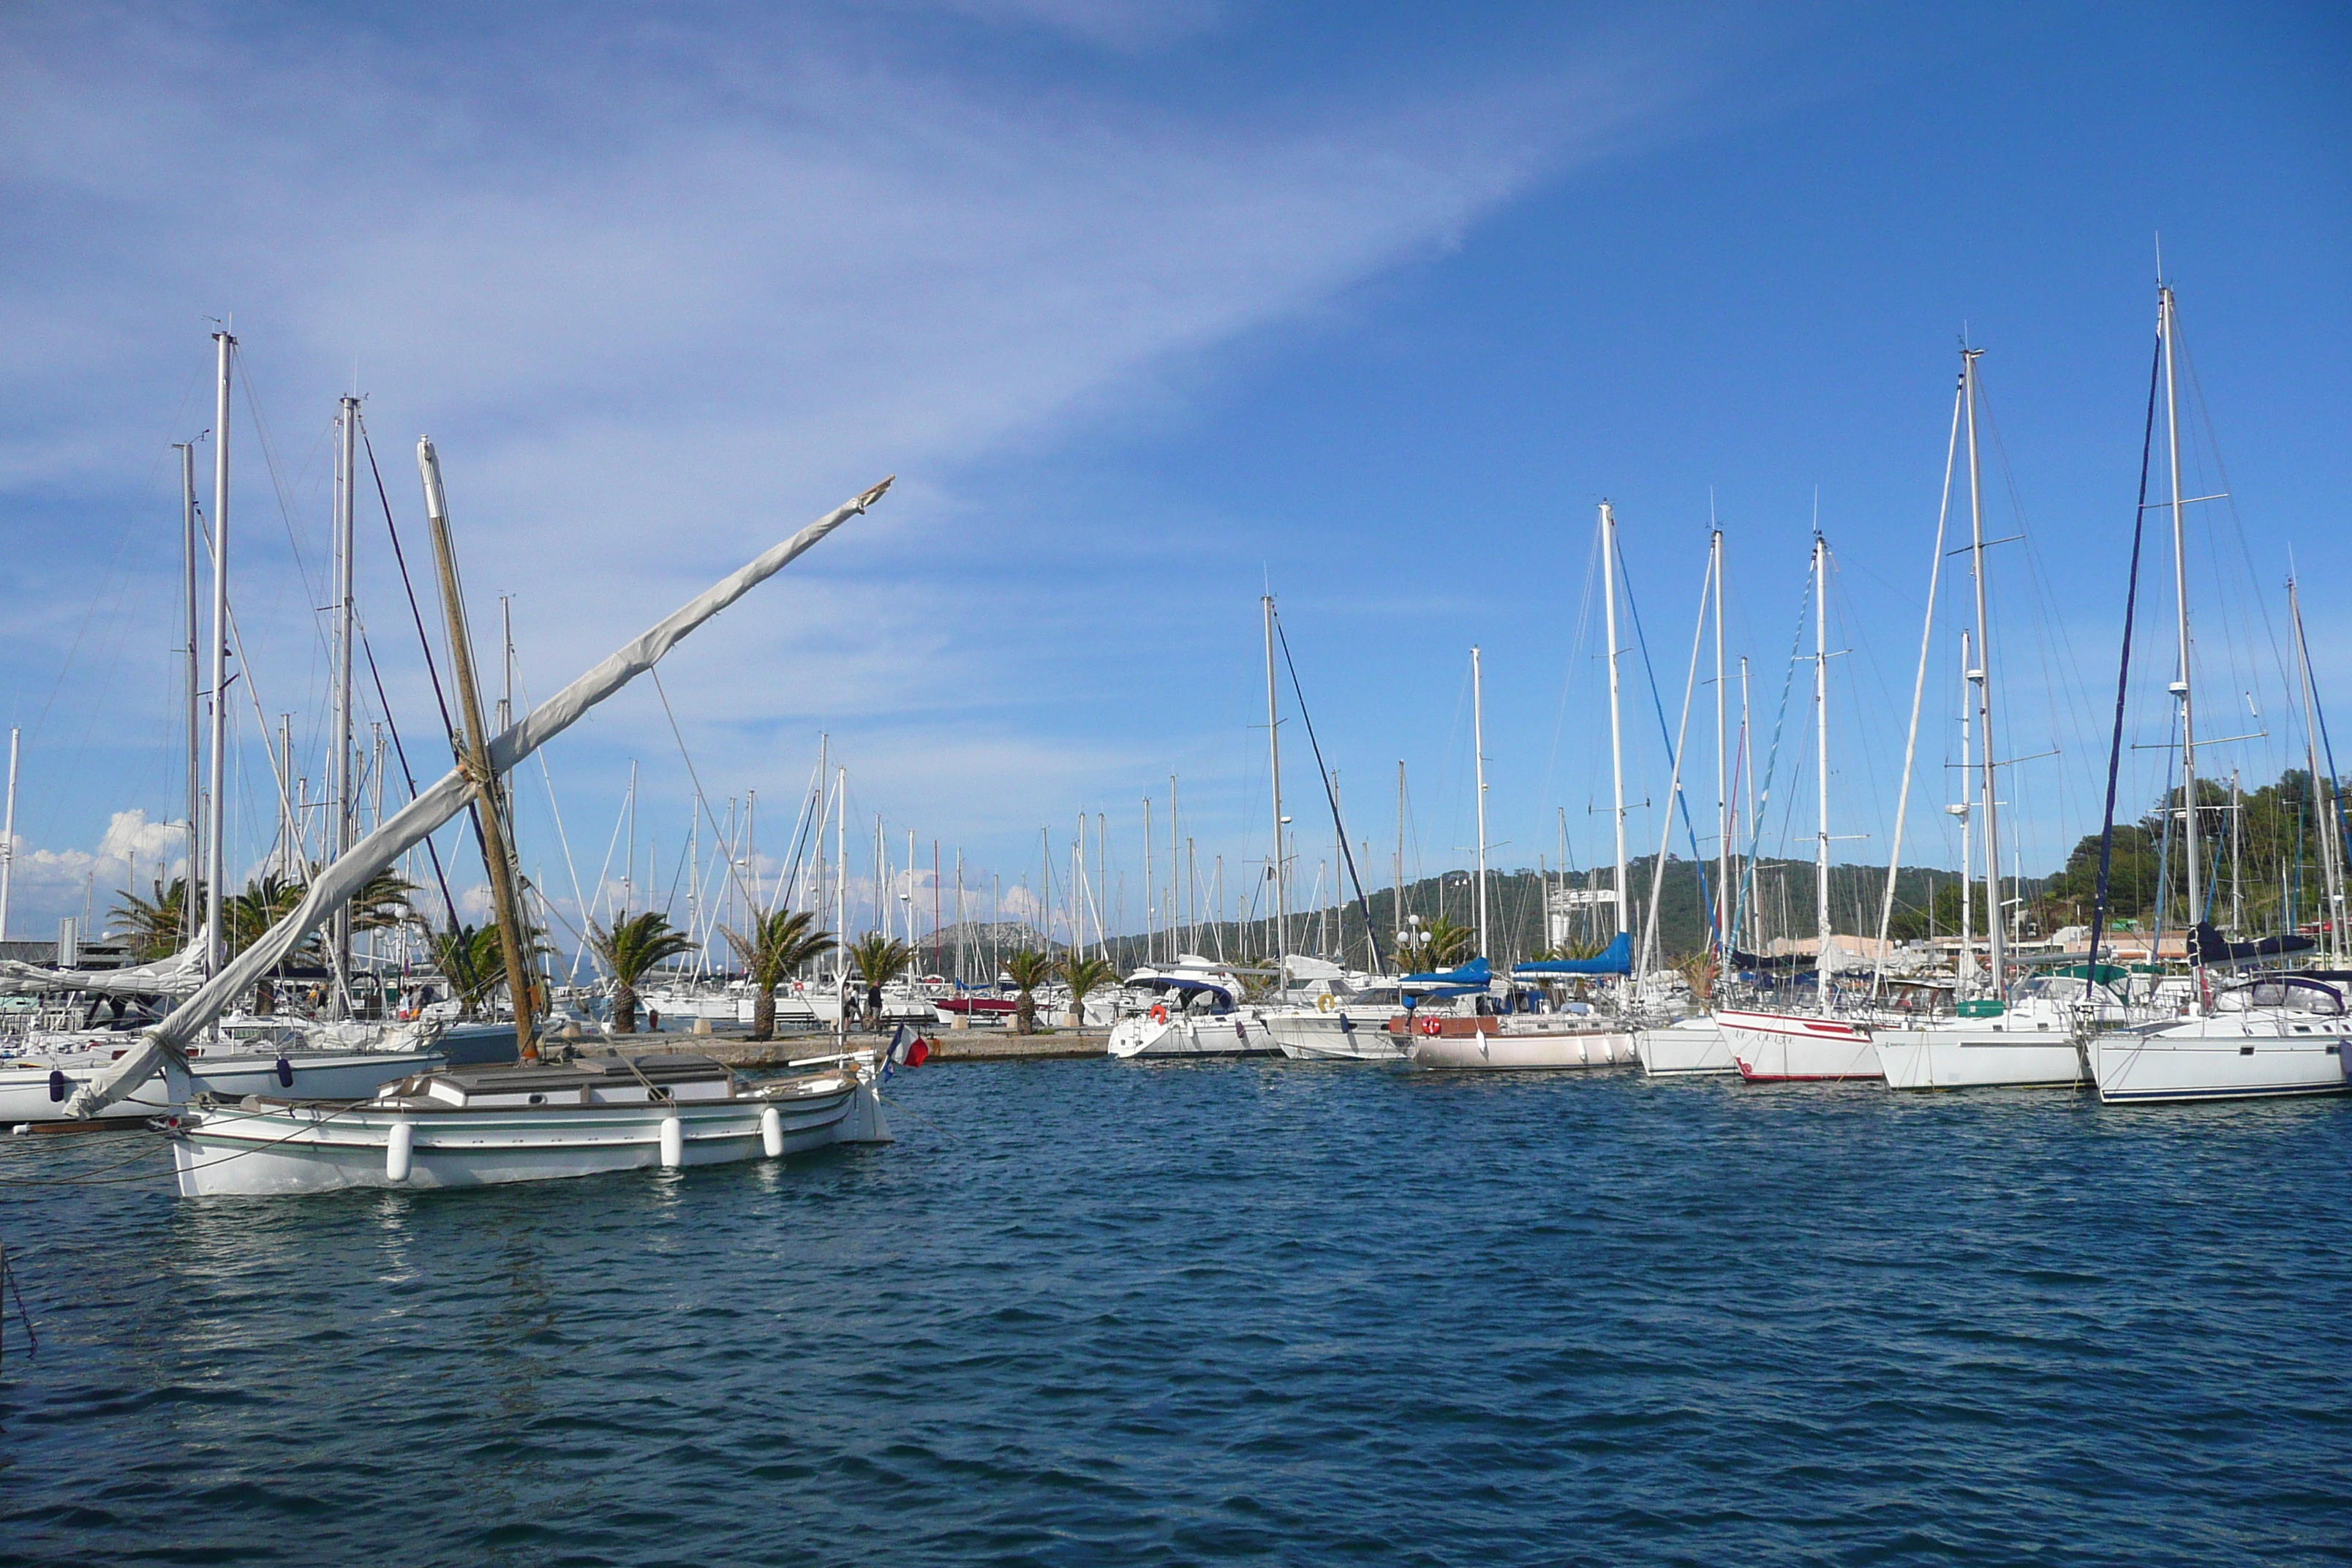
[(1150, 306)]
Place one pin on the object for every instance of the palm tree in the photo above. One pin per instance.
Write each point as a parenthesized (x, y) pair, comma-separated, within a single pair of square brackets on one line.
[(630, 946), (381, 903), (470, 959), (779, 942), (877, 960), (156, 927), (1082, 975), (1029, 970), (1449, 943)]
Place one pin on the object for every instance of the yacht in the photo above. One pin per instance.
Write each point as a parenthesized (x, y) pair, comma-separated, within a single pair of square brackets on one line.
[(1196, 1010), (2276, 1034), (2030, 1041)]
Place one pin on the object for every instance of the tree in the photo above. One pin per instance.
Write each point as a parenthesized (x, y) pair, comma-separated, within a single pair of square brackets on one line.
[(629, 947), (470, 959), (156, 927), (1448, 943), (1029, 970), (780, 941), (1082, 975), (877, 960)]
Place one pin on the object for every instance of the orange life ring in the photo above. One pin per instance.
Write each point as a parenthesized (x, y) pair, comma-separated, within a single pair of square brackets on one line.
[(1159, 1012), (1432, 1026)]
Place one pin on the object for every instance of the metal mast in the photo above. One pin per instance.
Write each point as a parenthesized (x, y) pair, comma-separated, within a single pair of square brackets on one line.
[(1478, 747), (215, 834), (1965, 975), (498, 859), (8, 836), (1822, 964), (1616, 728), (193, 919), (1722, 779), (1274, 763), (2330, 863), (1980, 683), (346, 476), (2180, 684)]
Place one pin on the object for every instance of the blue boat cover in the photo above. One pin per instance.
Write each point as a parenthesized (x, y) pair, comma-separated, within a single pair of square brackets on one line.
[(1473, 972), (1617, 958)]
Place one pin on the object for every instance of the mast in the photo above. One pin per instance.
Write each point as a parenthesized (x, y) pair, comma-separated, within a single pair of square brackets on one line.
[(1965, 977), (1616, 729), (215, 834), (193, 919), (1401, 966), (1822, 963), (1980, 679), (1175, 888), (1478, 747), (841, 899), (9, 834), (346, 470), (2330, 865), (1151, 915), (2168, 327), (1274, 763), (496, 855), (1722, 780)]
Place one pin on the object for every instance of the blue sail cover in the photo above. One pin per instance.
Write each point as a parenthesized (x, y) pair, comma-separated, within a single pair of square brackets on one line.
[(1617, 958), (1473, 972)]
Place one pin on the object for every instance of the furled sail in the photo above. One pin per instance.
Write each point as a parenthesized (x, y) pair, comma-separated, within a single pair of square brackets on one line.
[(178, 976), (402, 832)]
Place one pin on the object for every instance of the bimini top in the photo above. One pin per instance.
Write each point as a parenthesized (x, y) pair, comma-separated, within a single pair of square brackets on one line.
[(1617, 958), (1474, 975)]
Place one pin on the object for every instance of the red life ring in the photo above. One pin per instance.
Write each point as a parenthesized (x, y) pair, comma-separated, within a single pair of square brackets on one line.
[(1432, 1026), (1159, 1012)]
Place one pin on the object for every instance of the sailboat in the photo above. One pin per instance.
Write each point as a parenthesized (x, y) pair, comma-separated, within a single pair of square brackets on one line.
[(2020, 1036), (2258, 1037), (1475, 1035), (1773, 1046), (529, 1122)]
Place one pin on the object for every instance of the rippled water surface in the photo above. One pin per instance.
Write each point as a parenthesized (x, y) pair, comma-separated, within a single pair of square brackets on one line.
[(1092, 1311)]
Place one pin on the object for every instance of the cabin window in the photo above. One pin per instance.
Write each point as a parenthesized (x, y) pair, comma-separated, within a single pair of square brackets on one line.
[(539, 1100)]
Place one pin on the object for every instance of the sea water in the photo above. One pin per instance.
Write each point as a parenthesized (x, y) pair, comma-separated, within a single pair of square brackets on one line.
[(1095, 1311)]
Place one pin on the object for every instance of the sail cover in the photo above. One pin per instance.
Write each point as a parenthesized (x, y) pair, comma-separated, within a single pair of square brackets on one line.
[(2210, 948), (1473, 972), (403, 831), (178, 976), (1617, 958)]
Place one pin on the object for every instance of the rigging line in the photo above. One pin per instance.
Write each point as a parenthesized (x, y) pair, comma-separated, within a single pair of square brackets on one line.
[(751, 898), (1330, 793), (2123, 684), (2335, 784), (1772, 759)]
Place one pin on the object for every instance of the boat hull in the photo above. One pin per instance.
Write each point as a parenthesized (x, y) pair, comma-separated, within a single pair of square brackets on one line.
[(1529, 1050), (1687, 1048), (2211, 1059), (1334, 1037), (266, 1147), (1798, 1048), (27, 1090), (1219, 1035), (1986, 1057)]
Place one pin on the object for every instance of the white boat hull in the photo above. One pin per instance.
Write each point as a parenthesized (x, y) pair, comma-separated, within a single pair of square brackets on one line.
[(1237, 1034), (1336, 1036), (27, 1092), (1982, 1056), (2221, 1059), (1523, 1051), (1690, 1047), (1798, 1048), (271, 1147)]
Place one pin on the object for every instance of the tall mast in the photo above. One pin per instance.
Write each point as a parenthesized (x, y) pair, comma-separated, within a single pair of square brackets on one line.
[(496, 854), (193, 919), (2330, 868), (1616, 729), (9, 834), (2167, 326), (841, 874), (215, 834), (1822, 964), (1965, 977), (1274, 763), (1722, 779), (1401, 966), (1981, 680), (1478, 747), (1175, 884), (1151, 915), (346, 470)]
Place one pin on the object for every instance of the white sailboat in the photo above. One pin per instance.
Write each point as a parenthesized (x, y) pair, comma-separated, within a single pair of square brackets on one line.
[(1775, 1046), (2267, 1036), (1197, 1009), (531, 1122)]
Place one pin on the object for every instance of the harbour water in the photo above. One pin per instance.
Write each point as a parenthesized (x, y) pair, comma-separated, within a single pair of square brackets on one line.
[(1086, 1311)]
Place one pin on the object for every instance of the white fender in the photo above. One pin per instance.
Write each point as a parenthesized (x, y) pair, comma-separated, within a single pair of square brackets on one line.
[(672, 1143), (399, 1152), (772, 1131)]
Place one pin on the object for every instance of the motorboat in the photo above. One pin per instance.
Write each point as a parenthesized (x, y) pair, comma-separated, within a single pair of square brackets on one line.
[(1340, 1025), (539, 1121)]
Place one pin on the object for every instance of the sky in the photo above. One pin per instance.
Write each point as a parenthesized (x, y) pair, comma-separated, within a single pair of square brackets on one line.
[(1153, 309)]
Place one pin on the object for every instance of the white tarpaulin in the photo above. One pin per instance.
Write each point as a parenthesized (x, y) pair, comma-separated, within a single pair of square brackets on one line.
[(403, 831)]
